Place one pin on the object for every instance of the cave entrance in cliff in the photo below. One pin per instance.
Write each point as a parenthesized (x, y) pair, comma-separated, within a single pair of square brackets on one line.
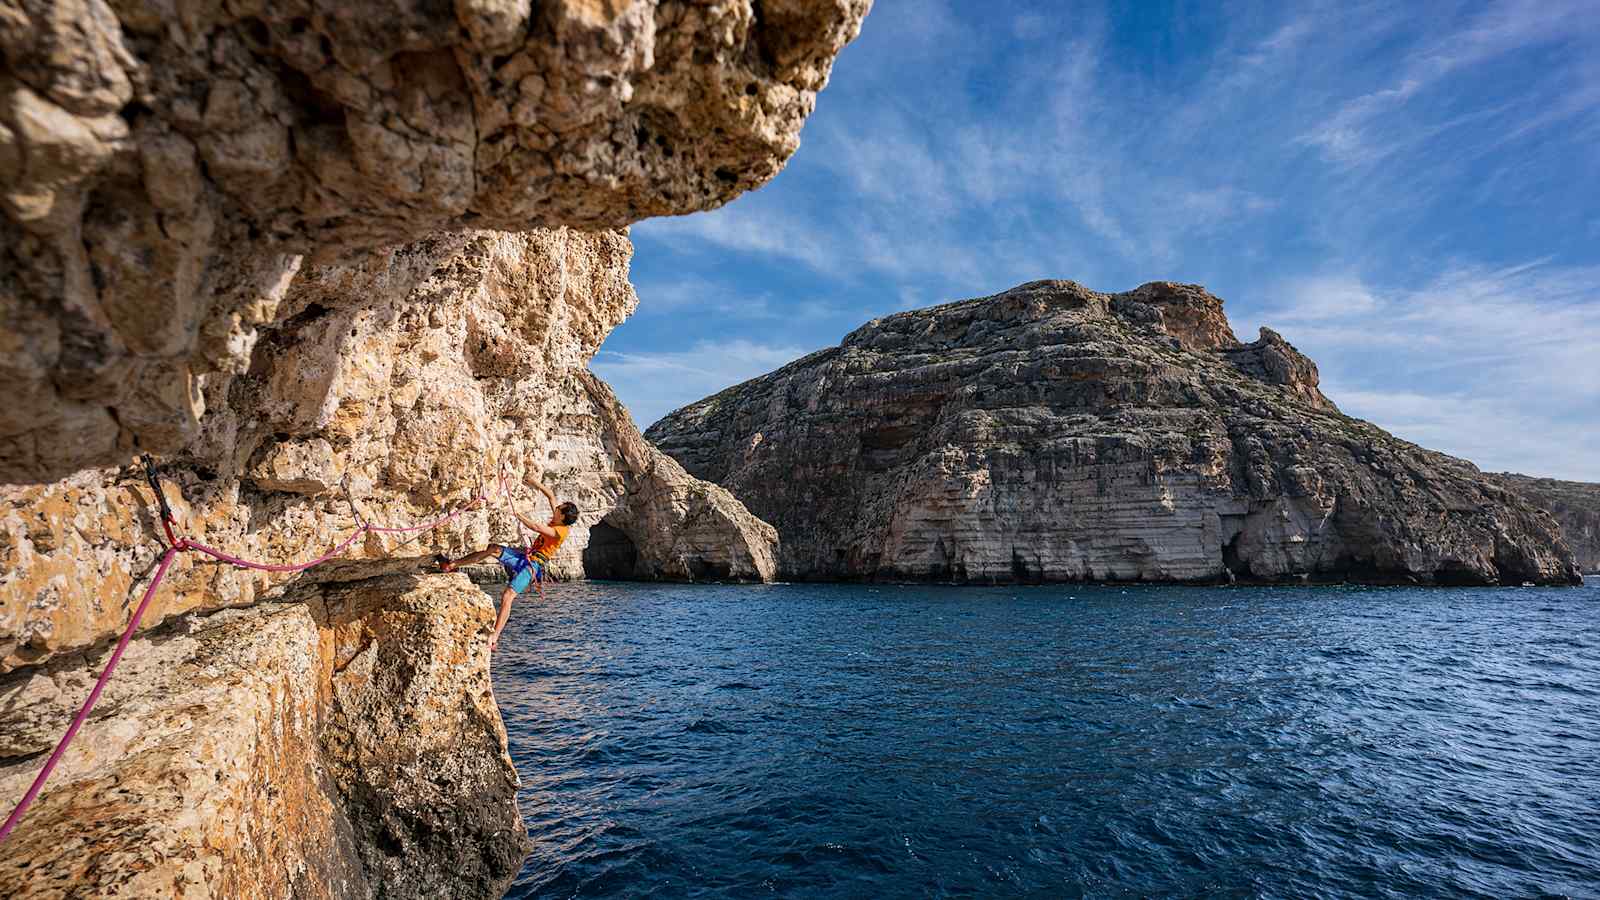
[(1233, 562), (611, 554)]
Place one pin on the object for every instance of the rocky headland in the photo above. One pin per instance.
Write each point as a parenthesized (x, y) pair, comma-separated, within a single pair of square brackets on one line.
[(326, 261), (1054, 433), (1575, 505)]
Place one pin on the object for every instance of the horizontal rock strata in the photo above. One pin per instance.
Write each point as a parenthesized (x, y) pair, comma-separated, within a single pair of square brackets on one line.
[(1052, 433), (340, 743)]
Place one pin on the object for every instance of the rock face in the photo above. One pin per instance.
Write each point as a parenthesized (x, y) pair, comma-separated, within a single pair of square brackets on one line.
[(341, 743), (685, 528), (404, 383), (1575, 505), (165, 168), (1052, 433), (237, 235)]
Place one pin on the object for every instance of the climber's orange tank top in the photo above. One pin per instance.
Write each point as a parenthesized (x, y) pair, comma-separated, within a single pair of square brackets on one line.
[(546, 546)]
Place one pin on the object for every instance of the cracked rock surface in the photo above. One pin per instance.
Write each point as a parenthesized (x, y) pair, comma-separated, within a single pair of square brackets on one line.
[(342, 744), (1052, 433), (404, 383), (329, 260), (1575, 505), (165, 170)]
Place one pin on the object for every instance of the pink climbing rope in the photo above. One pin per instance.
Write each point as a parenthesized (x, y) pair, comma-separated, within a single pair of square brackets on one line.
[(267, 567), (94, 694), (434, 524), (180, 545)]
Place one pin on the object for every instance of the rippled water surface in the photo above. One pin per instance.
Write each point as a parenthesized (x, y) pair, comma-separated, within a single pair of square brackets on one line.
[(847, 741)]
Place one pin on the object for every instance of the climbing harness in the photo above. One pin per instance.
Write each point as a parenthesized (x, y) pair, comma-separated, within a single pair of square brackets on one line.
[(175, 546), (529, 557)]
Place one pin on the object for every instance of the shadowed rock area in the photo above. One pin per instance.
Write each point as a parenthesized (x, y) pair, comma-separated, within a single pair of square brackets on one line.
[(1052, 433), (404, 384)]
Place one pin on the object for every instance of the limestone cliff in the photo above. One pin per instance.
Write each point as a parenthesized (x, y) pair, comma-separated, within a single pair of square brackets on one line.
[(1575, 505), (342, 742), (402, 382), (399, 386), (1054, 433), (247, 237), (163, 168)]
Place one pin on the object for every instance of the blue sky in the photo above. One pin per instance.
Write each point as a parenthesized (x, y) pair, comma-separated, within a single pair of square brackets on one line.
[(1409, 192)]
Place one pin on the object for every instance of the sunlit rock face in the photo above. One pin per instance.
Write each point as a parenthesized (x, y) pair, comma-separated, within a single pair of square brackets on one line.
[(341, 743), (267, 242), (1575, 505), (1053, 433), (398, 387), (165, 171)]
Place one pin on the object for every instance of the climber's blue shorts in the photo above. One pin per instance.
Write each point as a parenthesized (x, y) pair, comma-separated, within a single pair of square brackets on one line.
[(519, 568)]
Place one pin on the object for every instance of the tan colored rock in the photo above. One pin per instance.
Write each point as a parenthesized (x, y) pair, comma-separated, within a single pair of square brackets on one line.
[(160, 164), (1186, 312), (402, 382), (236, 235), (1052, 433), (340, 743), (687, 529), (298, 467)]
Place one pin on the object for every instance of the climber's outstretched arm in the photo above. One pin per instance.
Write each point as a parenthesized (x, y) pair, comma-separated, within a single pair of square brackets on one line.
[(540, 527), (534, 474)]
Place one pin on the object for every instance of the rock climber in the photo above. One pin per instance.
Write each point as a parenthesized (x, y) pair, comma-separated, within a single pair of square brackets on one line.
[(524, 566)]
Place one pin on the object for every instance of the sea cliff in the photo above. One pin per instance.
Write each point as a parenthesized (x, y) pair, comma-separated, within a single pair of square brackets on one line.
[(1054, 433), (329, 263), (339, 741), (1575, 505)]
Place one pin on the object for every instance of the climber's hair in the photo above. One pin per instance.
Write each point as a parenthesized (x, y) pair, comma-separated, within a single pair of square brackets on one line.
[(569, 512)]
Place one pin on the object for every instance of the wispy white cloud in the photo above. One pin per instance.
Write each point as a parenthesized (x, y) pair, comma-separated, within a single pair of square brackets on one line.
[(1371, 126), (1329, 156), (1208, 207), (654, 384), (1500, 28), (709, 300), (738, 227), (1496, 433), (935, 192), (1497, 364), (1289, 36), (1345, 136), (902, 240), (1324, 297)]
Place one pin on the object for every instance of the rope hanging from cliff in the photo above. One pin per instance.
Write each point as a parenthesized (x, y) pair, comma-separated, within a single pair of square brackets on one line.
[(176, 545)]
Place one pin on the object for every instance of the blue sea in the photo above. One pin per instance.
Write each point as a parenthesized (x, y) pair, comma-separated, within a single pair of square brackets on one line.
[(884, 741)]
